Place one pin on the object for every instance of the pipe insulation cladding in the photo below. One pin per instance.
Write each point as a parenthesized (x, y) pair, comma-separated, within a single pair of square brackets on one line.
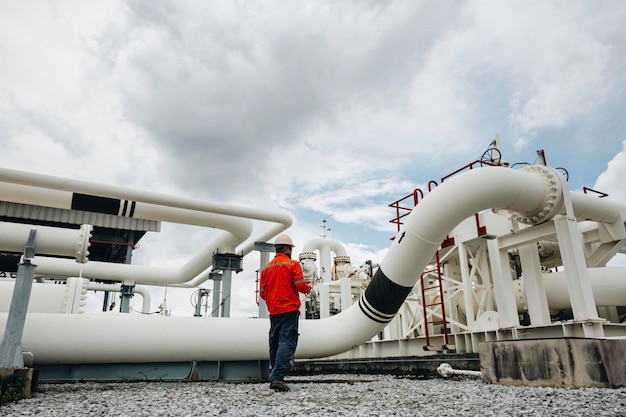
[(53, 338)]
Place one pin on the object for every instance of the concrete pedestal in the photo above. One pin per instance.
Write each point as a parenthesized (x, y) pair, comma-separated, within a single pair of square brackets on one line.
[(16, 384), (564, 362)]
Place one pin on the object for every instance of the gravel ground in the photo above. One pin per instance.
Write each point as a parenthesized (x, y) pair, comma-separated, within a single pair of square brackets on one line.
[(327, 395)]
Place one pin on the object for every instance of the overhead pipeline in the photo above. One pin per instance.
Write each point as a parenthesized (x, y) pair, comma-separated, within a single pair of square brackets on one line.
[(38, 189)]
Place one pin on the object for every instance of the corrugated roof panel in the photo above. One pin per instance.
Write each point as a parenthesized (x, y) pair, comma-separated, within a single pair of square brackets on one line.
[(27, 211)]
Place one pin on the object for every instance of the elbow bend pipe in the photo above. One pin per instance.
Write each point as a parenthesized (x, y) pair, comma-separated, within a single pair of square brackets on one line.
[(139, 274), (320, 244), (325, 246)]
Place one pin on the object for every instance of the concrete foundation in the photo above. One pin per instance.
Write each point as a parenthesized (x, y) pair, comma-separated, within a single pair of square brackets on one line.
[(16, 384), (563, 362)]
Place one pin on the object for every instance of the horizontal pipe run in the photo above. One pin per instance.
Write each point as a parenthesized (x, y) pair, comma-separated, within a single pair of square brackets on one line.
[(48, 240), (48, 184), (38, 189)]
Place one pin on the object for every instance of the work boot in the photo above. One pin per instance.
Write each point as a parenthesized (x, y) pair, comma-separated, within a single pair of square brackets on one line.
[(279, 386)]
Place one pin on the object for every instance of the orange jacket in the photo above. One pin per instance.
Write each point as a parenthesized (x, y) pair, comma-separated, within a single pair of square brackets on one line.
[(281, 280)]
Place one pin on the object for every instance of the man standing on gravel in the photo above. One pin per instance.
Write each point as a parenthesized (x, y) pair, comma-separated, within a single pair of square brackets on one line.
[(281, 281)]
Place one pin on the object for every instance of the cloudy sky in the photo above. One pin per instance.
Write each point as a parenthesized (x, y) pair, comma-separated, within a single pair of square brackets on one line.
[(312, 108)]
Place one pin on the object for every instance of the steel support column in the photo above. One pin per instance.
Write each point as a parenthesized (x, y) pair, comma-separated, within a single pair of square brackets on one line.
[(11, 356), (503, 285), (264, 249), (533, 285)]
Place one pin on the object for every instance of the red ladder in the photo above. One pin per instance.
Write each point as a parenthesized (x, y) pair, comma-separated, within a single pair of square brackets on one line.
[(443, 320)]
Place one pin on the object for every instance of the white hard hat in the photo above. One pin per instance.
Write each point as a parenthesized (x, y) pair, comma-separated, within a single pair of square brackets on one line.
[(283, 240)]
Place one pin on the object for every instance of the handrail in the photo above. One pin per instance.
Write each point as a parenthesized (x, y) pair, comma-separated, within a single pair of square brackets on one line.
[(600, 193), (468, 166), (432, 184)]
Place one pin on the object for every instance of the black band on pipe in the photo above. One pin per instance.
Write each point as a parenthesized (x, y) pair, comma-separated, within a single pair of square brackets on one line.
[(124, 208), (132, 209), (383, 298), (95, 204)]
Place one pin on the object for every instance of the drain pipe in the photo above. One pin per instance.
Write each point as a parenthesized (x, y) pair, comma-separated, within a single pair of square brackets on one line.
[(445, 370)]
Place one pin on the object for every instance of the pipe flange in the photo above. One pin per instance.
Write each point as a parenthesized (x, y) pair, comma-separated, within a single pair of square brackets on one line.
[(342, 259), (82, 246), (308, 255), (553, 198)]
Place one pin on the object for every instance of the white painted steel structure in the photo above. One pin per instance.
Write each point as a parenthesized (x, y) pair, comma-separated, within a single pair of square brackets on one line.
[(529, 206)]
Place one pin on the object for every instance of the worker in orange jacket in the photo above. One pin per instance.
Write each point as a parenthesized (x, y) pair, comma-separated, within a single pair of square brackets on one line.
[(281, 281)]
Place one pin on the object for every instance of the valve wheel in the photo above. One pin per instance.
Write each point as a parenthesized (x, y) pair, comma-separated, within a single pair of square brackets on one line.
[(492, 156)]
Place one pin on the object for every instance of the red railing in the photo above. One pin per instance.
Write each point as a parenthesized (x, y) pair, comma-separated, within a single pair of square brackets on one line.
[(600, 193), (417, 194), (110, 242), (402, 210)]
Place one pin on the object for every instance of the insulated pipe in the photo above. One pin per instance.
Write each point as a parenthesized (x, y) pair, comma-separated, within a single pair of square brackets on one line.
[(68, 193), (240, 228), (325, 246), (51, 337), (48, 240)]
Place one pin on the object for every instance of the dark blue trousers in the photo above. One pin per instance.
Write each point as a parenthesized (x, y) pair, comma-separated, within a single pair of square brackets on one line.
[(283, 342)]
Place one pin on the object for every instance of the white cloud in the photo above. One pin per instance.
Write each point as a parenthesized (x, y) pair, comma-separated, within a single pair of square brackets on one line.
[(611, 181)]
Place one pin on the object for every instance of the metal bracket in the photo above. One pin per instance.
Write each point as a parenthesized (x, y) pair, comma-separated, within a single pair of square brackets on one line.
[(29, 249)]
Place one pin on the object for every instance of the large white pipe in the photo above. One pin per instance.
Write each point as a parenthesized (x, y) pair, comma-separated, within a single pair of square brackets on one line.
[(48, 240), (183, 338), (44, 297), (48, 297), (325, 247), (608, 285), (25, 194), (76, 190)]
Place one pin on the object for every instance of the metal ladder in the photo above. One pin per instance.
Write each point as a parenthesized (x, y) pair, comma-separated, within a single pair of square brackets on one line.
[(438, 285)]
